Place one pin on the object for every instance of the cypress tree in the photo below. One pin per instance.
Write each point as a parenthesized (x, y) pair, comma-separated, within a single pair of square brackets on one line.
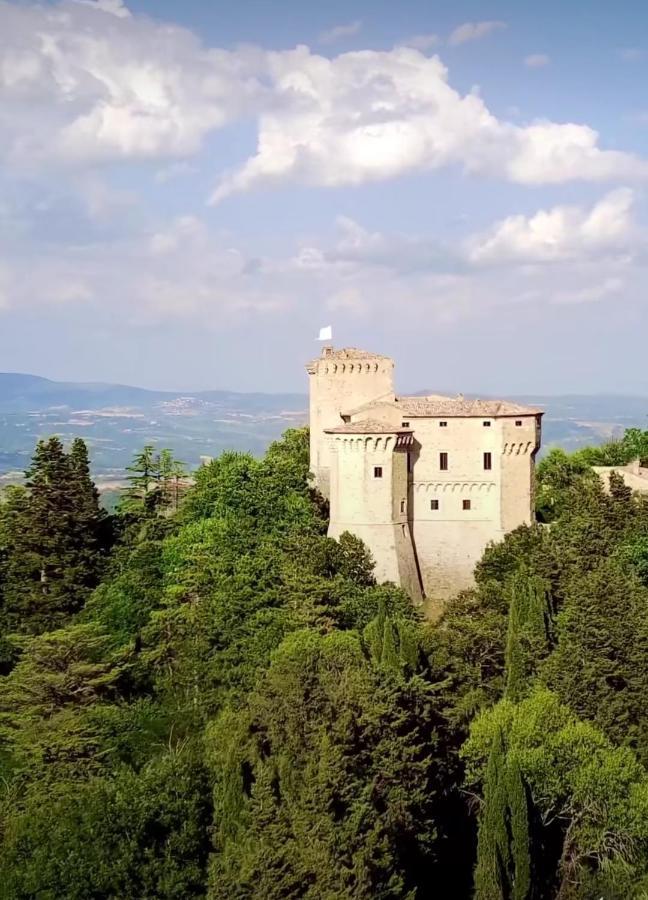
[(529, 632), (503, 870), (493, 853), (519, 825)]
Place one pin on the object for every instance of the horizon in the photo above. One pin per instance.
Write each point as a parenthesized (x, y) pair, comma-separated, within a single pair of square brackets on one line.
[(198, 189), (304, 393)]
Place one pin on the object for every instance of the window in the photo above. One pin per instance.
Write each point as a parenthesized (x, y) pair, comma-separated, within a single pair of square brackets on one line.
[(443, 462), (405, 424), (518, 422), (377, 471), (466, 504), (486, 423), (443, 424), (488, 461), (402, 506), (434, 504)]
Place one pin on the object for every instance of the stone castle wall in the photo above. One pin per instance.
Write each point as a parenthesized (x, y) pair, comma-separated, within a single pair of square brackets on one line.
[(426, 520)]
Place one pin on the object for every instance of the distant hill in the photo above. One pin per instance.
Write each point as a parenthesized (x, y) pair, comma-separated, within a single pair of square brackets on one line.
[(116, 420), (30, 393)]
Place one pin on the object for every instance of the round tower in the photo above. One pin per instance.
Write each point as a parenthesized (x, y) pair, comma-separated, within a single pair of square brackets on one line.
[(340, 381), (369, 497)]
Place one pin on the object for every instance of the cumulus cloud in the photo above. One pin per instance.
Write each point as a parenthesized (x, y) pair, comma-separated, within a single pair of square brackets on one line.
[(372, 115), (339, 32), (536, 60), (560, 233), (473, 31), (85, 82)]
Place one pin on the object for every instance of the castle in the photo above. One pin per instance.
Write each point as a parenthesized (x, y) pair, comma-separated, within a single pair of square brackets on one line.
[(426, 482)]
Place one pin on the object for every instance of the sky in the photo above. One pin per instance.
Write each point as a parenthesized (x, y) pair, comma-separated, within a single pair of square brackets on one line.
[(189, 191)]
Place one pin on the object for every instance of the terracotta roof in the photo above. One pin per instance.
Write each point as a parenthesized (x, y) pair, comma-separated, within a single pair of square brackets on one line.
[(369, 426), (441, 405), (435, 406), (386, 400)]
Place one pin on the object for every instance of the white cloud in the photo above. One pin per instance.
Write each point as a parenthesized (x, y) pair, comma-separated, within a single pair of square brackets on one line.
[(592, 293), (185, 272), (561, 233), (422, 41), (369, 115), (473, 31), (339, 32), (114, 7), (81, 86), (536, 60)]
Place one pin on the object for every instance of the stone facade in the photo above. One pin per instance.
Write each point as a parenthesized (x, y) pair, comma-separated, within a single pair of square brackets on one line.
[(426, 482), (634, 475)]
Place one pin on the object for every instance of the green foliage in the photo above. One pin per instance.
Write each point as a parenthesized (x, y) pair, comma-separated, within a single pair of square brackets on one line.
[(519, 829), (493, 851), (598, 792), (326, 780), (503, 867), (599, 665), (154, 483), (226, 704), (529, 632), (134, 835), (54, 534)]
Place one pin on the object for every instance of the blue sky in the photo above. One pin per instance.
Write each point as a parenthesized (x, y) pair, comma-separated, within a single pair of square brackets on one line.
[(189, 191)]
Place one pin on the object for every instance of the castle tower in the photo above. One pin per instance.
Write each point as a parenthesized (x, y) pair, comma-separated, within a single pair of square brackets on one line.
[(369, 464), (339, 380)]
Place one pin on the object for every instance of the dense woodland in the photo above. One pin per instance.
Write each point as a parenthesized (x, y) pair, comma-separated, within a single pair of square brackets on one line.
[(204, 696)]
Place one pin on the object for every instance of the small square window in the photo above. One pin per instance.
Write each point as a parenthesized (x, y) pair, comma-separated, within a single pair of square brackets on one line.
[(434, 504), (377, 471), (486, 423), (466, 504), (443, 424), (518, 422), (488, 461), (443, 462), (402, 506), (405, 425)]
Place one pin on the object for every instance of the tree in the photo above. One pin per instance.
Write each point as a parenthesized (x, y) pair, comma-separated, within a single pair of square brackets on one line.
[(590, 794), (55, 539), (326, 780), (599, 665), (493, 852), (529, 632), (137, 835)]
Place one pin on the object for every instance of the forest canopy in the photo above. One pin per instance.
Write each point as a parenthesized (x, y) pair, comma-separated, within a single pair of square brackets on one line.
[(202, 695)]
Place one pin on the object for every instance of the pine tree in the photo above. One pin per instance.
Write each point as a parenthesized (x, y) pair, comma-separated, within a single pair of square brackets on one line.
[(54, 539), (90, 522), (143, 494)]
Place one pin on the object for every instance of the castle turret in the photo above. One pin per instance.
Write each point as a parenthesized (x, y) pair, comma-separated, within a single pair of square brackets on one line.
[(369, 464), (339, 380)]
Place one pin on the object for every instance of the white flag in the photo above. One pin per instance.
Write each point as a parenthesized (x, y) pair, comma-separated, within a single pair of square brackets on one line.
[(326, 334)]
